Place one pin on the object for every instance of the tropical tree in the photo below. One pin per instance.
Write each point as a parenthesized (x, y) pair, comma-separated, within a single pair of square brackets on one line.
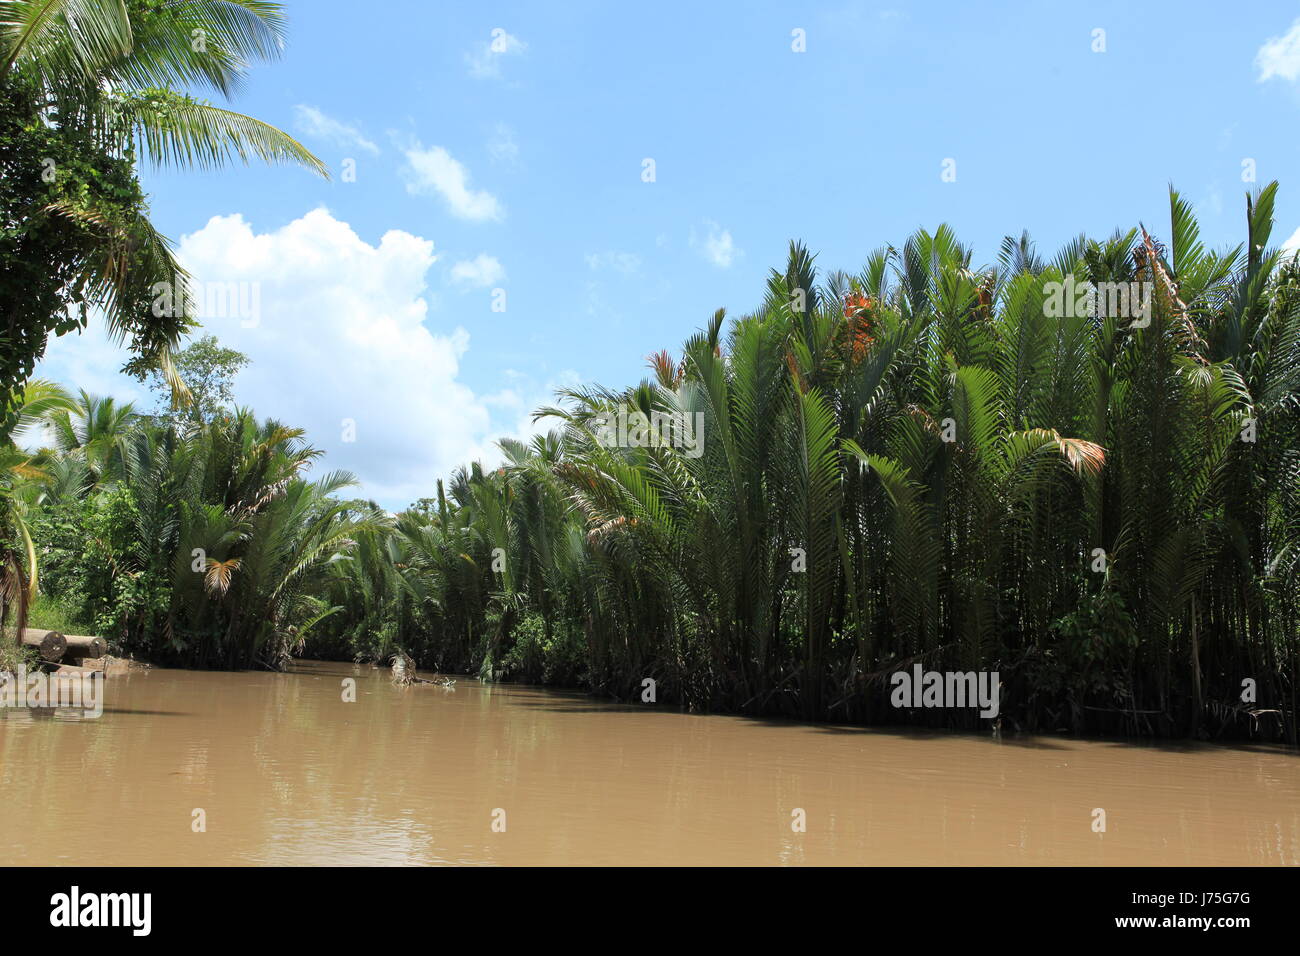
[(1079, 471), (20, 475), (86, 88), (92, 431), (227, 544)]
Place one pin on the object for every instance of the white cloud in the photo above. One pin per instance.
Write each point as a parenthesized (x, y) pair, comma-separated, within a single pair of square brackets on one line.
[(624, 262), (596, 304), (311, 122), (519, 406), (717, 247), (435, 171), (481, 271), (91, 360), (1280, 56), (1292, 245), (485, 61), (340, 334)]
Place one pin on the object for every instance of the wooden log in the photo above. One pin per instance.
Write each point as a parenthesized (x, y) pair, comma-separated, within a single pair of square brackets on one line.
[(51, 644), (80, 646)]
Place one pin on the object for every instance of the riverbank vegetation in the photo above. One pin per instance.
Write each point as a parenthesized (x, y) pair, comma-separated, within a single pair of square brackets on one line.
[(923, 462), (1080, 471), (190, 537), (88, 90)]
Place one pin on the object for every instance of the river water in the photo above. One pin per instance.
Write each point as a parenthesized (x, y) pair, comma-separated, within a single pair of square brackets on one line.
[(285, 771)]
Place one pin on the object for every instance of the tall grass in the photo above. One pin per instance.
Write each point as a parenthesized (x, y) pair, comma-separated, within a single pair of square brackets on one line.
[(58, 614)]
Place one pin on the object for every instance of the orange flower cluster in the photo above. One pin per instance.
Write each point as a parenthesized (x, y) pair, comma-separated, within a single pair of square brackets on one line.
[(857, 302), (857, 310)]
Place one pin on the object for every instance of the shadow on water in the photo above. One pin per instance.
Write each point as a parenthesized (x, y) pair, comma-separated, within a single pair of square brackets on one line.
[(578, 702)]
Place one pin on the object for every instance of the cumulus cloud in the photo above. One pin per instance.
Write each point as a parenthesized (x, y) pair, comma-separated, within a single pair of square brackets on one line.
[(481, 271), (312, 123), (339, 336), (434, 171), (1280, 56), (485, 61), (716, 245)]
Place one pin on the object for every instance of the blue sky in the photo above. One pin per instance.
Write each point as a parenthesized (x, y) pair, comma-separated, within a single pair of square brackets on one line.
[(519, 168)]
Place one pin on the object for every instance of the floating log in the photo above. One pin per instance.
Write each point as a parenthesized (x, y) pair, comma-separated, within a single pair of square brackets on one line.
[(51, 644), (79, 646)]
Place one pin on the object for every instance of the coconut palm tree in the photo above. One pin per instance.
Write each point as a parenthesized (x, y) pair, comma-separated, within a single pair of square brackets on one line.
[(92, 431), (105, 82)]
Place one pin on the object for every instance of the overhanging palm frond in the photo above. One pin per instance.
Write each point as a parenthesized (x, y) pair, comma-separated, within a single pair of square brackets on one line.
[(62, 38), (39, 399), (179, 130), (210, 42)]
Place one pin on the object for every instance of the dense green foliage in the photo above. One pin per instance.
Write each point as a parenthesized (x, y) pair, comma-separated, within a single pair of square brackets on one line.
[(922, 463), (62, 197), (926, 463), (198, 544)]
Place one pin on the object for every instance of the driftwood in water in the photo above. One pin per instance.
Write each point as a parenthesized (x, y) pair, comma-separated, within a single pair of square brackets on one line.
[(436, 681), (51, 645), (404, 672)]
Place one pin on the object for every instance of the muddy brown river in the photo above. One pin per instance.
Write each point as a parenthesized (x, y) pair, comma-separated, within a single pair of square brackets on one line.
[(285, 772)]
